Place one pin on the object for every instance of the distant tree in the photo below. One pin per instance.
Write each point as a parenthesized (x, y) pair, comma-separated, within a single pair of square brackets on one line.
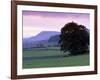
[(74, 38)]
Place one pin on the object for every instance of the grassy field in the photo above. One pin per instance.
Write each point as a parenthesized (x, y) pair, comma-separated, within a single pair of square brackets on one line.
[(40, 58)]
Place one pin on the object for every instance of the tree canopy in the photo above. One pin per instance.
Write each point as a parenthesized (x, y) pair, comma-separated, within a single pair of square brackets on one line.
[(74, 38)]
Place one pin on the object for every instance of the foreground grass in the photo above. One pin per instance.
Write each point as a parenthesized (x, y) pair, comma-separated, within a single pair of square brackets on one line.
[(79, 60)]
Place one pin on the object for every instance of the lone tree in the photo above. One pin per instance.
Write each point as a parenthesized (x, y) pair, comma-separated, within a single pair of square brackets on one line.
[(74, 38)]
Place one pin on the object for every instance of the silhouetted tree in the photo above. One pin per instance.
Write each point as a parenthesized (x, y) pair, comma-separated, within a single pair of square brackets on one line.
[(74, 38)]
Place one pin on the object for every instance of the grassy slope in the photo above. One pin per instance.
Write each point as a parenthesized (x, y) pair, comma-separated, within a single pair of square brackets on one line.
[(79, 60)]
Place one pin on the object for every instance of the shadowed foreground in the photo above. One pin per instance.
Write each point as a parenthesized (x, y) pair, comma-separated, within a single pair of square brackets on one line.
[(52, 58)]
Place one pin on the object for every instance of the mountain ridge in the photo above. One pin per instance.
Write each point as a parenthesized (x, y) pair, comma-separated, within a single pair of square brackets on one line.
[(44, 35), (41, 39)]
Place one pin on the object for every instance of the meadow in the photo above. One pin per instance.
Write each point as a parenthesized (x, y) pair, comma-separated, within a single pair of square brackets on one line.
[(52, 57)]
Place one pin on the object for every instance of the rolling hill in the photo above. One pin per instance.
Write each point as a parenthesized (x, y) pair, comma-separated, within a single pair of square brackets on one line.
[(43, 39)]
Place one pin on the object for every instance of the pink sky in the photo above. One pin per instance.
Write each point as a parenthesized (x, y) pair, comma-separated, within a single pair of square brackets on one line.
[(36, 21)]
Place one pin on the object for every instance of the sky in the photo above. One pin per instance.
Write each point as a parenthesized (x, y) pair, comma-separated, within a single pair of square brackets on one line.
[(36, 21)]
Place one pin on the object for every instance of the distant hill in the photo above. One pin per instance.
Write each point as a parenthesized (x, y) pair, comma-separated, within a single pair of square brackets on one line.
[(44, 35), (54, 40), (43, 39)]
